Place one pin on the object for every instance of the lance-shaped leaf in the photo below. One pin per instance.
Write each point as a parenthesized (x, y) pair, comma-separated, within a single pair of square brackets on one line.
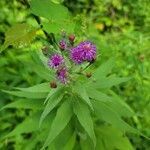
[(32, 95), (51, 93), (19, 35), (112, 101), (30, 124), (107, 82), (106, 113), (71, 142), (110, 138), (81, 91), (64, 137), (104, 69), (43, 87), (26, 104), (83, 114), (42, 72), (63, 116), (97, 95), (53, 101)]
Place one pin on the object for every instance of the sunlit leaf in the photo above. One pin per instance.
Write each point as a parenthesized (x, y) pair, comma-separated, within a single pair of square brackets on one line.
[(26, 104), (70, 144), (43, 87), (49, 10), (83, 114), (81, 91), (104, 69), (108, 82), (53, 101), (106, 113), (32, 95), (110, 138), (63, 116), (19, 35)]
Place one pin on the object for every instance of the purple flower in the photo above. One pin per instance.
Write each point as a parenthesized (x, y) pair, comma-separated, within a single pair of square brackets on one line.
[(88, 51), (85, 51), (76, 55), (62, 75), (62, 45), (55, 61)]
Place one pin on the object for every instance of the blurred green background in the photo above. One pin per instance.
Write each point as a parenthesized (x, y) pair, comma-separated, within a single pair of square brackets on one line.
[(120, 28)]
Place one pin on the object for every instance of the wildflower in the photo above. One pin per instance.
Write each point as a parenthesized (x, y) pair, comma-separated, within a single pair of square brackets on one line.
[(62, 75), (88, 51), (76, 55), (85, 51), (55, 61)]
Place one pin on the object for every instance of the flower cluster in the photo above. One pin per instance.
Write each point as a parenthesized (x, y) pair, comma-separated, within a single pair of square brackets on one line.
[(83, 52), (56, 61)]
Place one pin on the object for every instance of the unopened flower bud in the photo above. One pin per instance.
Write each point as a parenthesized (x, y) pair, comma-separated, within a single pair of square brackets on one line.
[(88, 74), (71, 38), (53, 84)]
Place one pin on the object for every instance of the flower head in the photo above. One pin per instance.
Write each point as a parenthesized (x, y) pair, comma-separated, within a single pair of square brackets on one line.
[(88, 51), (85, 51), (55, 61), (76, 55), (62, 75)]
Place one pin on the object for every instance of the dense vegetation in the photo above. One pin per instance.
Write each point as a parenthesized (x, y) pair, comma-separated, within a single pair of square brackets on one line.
[(120, 30)]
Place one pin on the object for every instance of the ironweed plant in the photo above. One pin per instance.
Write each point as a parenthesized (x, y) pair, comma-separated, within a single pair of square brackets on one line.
[(74, 107)]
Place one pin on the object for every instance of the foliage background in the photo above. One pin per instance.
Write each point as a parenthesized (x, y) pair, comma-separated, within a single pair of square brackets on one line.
[(120, 28)]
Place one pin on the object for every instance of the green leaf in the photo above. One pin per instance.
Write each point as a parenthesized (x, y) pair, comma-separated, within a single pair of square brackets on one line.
[(63, 116), (43, 87), (26, 104), (120, 106), (56, 27), (43, 72), (111, 138), (30, 124), (81, 91), (64, 137), (106, 113), (71, 142), (112, 101), (57, 1), (51, 93), (86, 144), (49, 10), (40, 66), (104, 69), (108, 82), (32, 95), (53, 101), (19, 35), (83, 114), (97, 95)]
